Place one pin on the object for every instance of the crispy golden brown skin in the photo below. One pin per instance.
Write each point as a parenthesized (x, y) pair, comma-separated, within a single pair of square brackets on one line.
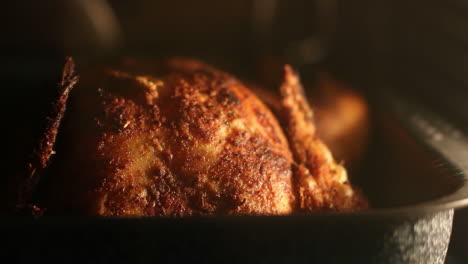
[(180, 138), (175, 139), (341, 117), (321, 182)]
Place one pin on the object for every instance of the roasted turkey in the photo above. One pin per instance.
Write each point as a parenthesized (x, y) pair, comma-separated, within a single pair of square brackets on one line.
[(181, 138)]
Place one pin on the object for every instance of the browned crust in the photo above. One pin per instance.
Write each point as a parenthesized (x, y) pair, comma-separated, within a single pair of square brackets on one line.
[(321, 182), (177, 138), (180, 138), (41, 155), (342, 118)]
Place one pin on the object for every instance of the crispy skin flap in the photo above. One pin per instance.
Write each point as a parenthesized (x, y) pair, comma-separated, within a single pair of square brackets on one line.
[(321, 183), (41, 155)]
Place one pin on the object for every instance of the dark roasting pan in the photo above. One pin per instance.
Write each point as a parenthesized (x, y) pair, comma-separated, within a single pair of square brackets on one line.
[(414, 175)]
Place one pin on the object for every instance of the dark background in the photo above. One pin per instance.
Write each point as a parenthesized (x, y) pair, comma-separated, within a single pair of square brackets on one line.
[(418, 46)]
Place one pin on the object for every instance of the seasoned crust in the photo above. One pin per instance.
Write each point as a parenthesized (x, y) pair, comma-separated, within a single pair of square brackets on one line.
[(180, 138), (39, 160), (177, 138), (322, 183)]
